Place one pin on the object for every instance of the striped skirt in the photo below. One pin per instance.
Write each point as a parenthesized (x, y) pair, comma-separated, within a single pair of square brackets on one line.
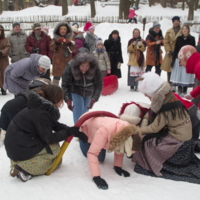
[(40, 163), (153, 157)]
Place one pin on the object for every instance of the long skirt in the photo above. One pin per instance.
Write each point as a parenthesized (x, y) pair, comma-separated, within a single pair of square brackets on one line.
[(40, 163), (184, 165), (179, 77)]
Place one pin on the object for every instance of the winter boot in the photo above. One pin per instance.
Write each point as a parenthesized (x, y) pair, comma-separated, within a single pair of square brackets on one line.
[(20, 173), (2, 136), (55, 82), (180, 90), (3, 91), (173, 88), (185, 90), (132, 88)]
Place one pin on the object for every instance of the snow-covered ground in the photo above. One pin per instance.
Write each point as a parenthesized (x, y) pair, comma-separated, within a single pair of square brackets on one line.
[(73, 180)]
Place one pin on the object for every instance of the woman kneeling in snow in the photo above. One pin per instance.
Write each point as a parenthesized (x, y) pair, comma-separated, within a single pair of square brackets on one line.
[(30, 141), (167, 150), (112, 134)]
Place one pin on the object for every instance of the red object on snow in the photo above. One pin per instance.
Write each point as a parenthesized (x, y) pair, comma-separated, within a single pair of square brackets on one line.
[(110, 85), (76, 2), (87, 26)]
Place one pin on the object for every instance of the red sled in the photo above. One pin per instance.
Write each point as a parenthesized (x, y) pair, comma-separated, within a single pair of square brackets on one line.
[(110, 85)]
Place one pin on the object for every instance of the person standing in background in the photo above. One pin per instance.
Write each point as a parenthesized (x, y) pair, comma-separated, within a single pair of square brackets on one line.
[(4, 62), (132, 15), (91, 38)]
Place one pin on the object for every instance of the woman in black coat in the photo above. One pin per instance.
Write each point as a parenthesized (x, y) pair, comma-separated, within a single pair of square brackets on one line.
[(113, 48), (33, 136)]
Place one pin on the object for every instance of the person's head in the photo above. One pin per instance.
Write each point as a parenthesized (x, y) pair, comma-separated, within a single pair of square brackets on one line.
[(185, 30), (91, 29), (75, 24), (2, 35), (45, 30), (176, 21), (115, 34), (52, 93), (99, 44), (156, 27), (149, 84), (63, 30), (44, 63), (37, 28), (16, 27), (136, 33)]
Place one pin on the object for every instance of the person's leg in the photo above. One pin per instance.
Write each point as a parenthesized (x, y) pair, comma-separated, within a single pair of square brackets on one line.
[(180, 90), (86, 104), (102, 155), (185, 90), (158, 70), (84, 147), (135, 20), (78, 103), (148, 68)]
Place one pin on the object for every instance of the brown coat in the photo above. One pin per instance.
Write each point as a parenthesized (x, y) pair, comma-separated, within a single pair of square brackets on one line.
[(62, 53), (169, 44), (150, 56), (180, 128), (4, 62)]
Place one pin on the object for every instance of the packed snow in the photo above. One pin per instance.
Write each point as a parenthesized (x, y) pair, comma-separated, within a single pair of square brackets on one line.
[(73, 180)]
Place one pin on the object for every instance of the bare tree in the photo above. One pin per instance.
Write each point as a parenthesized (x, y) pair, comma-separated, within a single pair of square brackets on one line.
[(1, 7), (21, 4), (137, 4), (5, 5), (196, 4), (93, 9), (183, 5), (163, 3), (64, 7), (124, 6), (190, 4), (150, 3)]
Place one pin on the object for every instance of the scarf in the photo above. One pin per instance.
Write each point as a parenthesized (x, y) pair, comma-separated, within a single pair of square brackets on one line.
[(100, 50)]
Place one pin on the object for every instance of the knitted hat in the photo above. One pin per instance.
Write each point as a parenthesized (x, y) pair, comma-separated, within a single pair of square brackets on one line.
[(44, 62), (156, 24), (175, 18), (150, 84), (36, 26), (75, 24), (45, 29), (91, 28), (99, 41), (75, 29), (15, 24)]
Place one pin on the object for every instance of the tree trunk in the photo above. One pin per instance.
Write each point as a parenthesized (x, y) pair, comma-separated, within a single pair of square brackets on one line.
[(1, 7), (5, 5), (64, 7), (92, 7), (150, 3), (124, 9), (21, 4), (120, 9), (163, 3), (196, 4), (132, 3), (191, 10), (183, 5), (137, 4)]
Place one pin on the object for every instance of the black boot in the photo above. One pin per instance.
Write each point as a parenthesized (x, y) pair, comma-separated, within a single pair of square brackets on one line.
[(3, 91), (185, 90), (180, 90), (132, 88)]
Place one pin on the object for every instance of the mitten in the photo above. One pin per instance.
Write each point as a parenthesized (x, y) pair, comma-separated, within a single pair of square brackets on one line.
[(120, 171), (139, 43), (198, 114), (108, 71), (69, 105), (67, 41), (92, 101), (36, 50), (119, 65), (101, 183), (60, 40), (188, 96), (75, 131)]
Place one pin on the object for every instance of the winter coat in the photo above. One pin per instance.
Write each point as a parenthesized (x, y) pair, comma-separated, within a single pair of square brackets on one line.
[(113, 48), (11, 108), (169, 45), (62, 52), (86, 85), (154, 52), (4, 62), (18, 75), (42, 44), (79, 41), (100, 131), (18, 41), (103, 60), (179, 128), (132, 13), (180, 42), (91, 39), (136, 53), (31, 130)]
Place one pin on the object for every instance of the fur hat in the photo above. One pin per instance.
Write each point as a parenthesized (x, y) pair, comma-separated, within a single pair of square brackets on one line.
[(150, 84), (155, 24), (91, 28), (75, 29), (175, 18), (15, 24)]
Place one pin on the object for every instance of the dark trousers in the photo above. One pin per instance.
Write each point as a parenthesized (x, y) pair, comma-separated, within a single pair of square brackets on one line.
[(158, 70), (5, 119), (134, 19), (168, 77)]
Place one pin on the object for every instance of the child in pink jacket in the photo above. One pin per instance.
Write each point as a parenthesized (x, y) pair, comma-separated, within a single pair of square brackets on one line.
[(109, 133), (132, 15)]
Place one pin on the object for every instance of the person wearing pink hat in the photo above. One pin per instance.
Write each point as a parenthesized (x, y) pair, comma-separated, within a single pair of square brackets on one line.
[(91, 38)]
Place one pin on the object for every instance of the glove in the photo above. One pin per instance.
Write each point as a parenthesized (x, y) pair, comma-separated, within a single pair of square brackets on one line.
[(188, 96), (67, 41), (108, 71), (198, 114), (101, 183), (92, 101), (60, 40), (36, 50), (120, 171), (75, 131), (119, 65), (69, 105)]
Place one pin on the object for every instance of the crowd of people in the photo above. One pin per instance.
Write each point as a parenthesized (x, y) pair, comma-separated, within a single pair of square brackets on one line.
[(161, 138)]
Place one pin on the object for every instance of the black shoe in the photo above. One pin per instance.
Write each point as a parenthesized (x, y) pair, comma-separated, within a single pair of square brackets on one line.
[(3, 91), (132, 88), (180, 90)]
